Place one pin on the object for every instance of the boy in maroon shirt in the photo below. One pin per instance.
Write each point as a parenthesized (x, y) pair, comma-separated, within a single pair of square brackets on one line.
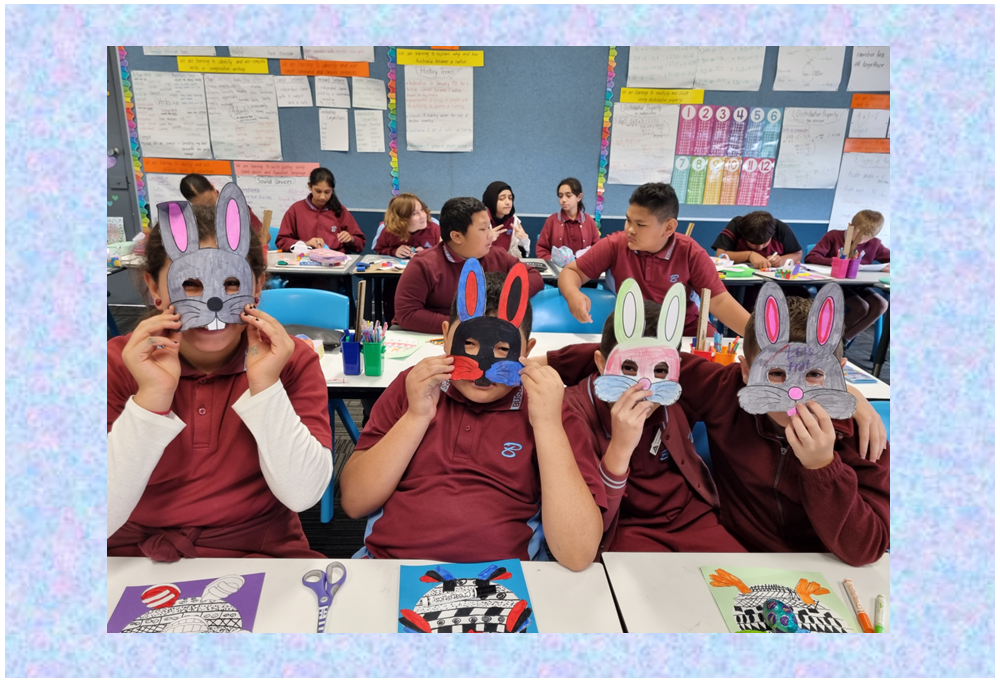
[(759, 238), (458, 470), (651, 252), (428, 285)]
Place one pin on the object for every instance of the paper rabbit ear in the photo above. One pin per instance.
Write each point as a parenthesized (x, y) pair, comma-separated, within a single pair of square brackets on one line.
[(178, 228), (630, 312), (472, 290), (232, 221), (826, 318), (514, 296), (771, 317), (671, 325)]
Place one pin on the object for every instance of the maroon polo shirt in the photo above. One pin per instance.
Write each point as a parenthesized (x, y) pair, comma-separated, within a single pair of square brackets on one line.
[(833, 241), (387, 243), (561, 231), (682, 260), (430, 282), (209, 476), (303, 221), (472, 491), (503, 241), (782, 242), (770, 502)]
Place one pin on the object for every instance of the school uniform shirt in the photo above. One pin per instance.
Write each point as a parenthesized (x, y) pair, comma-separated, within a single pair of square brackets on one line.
[(770, 502), (562, 231), (681, 260), (503, 241), (387, 243), (303, 221), (218, 475), (472, 490), (430, 282), (574, 362), (783, 241), (669, 497), (833, 241)]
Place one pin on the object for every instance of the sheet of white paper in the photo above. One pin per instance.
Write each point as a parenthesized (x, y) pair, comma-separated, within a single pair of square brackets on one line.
[(812, 141), (116, 229), (293, 52), (438, 108), (643, 138), (340, 54), (662, 67), (729, 68), (332, 91), (368, 131), (243, 110), (869, 69), (869, 123), (273, 193), (863, 184), (184, 51), (171, 114), (812, 69), (293, 91), (333, 130), (369, 93), (166, 187)]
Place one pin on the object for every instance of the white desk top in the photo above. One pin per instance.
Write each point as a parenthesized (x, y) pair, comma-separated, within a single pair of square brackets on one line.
[(564, 601), (865, 278), (274, 256), (666, 592)]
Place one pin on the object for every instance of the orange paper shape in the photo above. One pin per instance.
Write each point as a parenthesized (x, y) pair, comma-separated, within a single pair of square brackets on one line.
[(722, 579), (872, 145), (806, 589), (185, 166), (317, 67), (862, 101)]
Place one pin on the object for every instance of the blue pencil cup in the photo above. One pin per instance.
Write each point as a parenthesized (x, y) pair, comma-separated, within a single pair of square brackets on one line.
[(352, 357)]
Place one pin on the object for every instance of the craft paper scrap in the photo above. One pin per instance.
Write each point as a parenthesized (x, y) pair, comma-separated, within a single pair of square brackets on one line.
[(293, 52), (333, 130), (661, 96), (869, 68), (402, 345), (218, 605), (741, 594), (332, 91), (315, 67), (293, 91), (223, 65), (484, 597), (812, 69), (172, 50), (341, 54), (432, 58)]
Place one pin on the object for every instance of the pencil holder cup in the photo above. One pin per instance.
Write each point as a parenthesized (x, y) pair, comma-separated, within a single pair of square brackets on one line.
[(838, 268), (374, 354), (352, 357), (707, 355), (724, 358), (852, 268)]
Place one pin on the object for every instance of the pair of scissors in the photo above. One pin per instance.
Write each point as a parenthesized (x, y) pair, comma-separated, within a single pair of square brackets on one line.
[(325, 587)]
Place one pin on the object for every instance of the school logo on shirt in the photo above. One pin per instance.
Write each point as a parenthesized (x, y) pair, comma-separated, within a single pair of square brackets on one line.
[(664, 454), (510, 231), (673, 278), (510, 449)]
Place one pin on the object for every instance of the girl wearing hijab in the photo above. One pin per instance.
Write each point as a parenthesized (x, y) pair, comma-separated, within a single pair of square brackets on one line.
[(507, 231)]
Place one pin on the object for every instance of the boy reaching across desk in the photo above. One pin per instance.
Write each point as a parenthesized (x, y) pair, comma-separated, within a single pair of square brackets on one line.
[(651, 252), (758, 238), (465, 455)]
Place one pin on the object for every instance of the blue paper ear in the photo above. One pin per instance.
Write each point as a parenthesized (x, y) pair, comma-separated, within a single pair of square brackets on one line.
[(471, 290)]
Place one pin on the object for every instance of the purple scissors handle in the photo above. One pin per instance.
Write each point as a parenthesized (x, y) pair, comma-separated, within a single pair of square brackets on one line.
[(323, 585)]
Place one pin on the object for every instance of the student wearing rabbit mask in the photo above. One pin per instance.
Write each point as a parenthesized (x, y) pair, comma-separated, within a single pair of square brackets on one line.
[(217, 422)]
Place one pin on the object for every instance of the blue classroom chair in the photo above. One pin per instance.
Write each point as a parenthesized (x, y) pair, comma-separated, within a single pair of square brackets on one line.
[(315, 308), (882, 408), (272, 245), (700, 438), (550, 312)]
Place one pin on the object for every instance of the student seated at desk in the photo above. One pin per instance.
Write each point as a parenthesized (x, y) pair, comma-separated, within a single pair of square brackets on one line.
[(758, 238), (571, 226), (508, 234), (408, 228), (457, 467), (199, 190), (864, 304), (651, 252), (219, 433), (428, 285), (320, 219)]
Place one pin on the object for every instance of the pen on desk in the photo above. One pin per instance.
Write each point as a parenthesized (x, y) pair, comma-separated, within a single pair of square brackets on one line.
[(866, 623), (881, 611)]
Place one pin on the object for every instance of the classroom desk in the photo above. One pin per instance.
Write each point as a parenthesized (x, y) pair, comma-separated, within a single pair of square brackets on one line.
[(112, 324), (666, 592), (293, 269), (564, 601), (865, 278)]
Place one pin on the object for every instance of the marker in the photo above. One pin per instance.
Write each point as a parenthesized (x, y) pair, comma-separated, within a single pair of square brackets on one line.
[(866, 623), (881, 610)]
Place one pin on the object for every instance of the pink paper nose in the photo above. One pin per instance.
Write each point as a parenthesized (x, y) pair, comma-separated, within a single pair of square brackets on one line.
[(795, 393), (644, 383)]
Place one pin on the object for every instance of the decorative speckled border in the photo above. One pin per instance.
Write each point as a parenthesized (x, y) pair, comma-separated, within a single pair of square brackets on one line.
[(943, 592)]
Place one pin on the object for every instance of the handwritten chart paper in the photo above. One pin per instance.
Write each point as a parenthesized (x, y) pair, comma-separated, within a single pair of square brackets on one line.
[(294, 52), (869, 69), (173, 51), (332, 91), (293, 91), (341, 54), (438, 108), (243, 111), (863, 184), (369, 93), (333, 130), (642, 143), (274, 193), (811, 69), (729, 68), (811, 145), (662, 67), (171, 114), (166, 187), (869, 123), (368, 131)]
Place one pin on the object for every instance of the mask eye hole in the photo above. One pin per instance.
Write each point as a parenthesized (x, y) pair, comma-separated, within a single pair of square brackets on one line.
[(232, 285), (471, 347), (815, 377), (630, 368), (776, 376), (192, 287), (661, 370), (501, 350)]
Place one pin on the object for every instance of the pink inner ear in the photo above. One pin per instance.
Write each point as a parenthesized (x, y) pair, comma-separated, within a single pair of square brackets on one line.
[(772, 322), (233, 224), (825, 321), (178, 228)]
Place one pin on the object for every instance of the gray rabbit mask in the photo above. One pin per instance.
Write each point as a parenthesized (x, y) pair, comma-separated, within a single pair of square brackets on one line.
[(214, 307), (797, 360)]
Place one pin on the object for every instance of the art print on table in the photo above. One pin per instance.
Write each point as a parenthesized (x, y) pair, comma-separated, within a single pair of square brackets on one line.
[(484, 597), (222, 605)]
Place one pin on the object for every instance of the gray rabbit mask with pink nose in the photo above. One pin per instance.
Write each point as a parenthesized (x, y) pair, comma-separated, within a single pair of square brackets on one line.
[(798, 360)]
